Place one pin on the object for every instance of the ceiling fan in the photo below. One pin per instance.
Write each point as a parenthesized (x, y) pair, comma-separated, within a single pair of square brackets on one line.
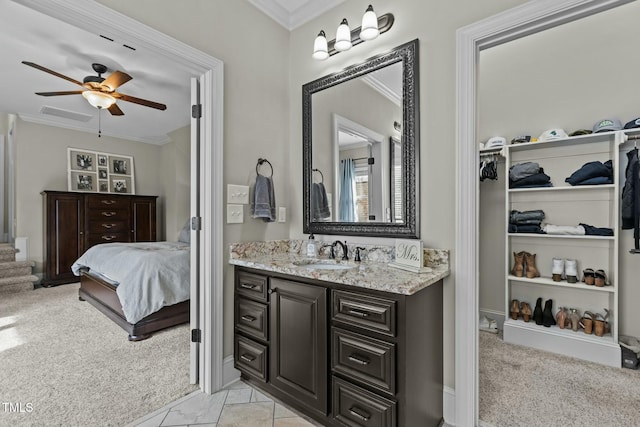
[(100, 92)]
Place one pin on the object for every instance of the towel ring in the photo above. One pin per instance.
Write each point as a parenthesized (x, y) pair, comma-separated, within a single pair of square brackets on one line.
[(260, 162), (321, 175)]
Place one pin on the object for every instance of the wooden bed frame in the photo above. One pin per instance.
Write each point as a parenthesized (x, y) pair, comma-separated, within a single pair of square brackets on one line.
[(102, 295)]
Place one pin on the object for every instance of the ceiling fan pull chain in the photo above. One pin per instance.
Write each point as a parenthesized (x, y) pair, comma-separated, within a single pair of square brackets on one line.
[(99, 124)]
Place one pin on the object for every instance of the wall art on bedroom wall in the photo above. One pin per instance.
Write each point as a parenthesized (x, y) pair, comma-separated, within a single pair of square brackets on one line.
[(96, 172)]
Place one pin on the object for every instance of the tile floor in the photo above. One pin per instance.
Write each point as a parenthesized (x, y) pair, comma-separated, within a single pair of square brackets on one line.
[(239, 405)]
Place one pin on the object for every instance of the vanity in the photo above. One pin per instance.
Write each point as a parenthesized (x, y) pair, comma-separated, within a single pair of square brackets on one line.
[(346, 343)]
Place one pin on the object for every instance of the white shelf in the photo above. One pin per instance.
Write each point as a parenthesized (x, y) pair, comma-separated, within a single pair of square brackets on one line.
[(572, 140), (563, 284), (564, 188), (561, 236), (566, 332)]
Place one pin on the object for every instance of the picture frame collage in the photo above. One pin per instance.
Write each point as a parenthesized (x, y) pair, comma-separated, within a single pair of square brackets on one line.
[(97, 172)]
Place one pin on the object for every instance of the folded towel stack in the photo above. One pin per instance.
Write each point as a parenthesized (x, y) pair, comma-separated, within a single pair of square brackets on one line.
[(528, 175), (592, 173), (526, 222)]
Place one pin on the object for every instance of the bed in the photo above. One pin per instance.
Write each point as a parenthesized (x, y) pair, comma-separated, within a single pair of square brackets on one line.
[(142, 287)]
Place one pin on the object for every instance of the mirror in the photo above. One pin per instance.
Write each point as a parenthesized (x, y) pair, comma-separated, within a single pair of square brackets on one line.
[(360, 148)]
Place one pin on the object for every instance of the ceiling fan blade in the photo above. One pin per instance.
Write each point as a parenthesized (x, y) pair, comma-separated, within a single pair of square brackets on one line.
[(115, 110), (46, 70), (68, 92), (140, 101), (116, 79)]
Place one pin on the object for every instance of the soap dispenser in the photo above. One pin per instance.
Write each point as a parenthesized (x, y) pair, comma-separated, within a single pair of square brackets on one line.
[(311, 246)]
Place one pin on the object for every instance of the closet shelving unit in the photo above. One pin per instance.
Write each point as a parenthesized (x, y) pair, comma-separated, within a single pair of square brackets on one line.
[(563, 204)]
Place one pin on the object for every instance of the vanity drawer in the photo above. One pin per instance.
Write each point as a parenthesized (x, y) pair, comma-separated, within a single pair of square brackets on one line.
[(250, 357), (355, 406), (107, 202), (251, 285), (251, 318), (366, 312), (364, 359)]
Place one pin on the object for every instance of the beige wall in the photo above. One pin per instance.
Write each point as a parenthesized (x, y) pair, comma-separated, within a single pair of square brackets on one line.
[(176, 181), (434, 23), (568, 77), (256, 104), (41, 164)]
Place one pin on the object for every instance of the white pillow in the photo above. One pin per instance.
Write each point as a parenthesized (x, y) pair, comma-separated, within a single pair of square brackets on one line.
[(185, 233)]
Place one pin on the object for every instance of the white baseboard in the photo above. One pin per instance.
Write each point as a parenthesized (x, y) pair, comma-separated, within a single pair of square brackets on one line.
[(498, 316), (449, 405), (229, 373)]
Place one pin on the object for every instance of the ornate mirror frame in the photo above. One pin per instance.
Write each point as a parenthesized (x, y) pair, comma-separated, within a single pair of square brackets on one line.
[(408, 55)]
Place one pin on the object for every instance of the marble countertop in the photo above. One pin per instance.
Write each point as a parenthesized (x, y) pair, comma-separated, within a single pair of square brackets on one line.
[(284, 257)]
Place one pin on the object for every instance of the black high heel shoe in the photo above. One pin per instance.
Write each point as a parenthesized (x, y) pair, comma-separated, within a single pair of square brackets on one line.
[(547, 316), (537, 312)]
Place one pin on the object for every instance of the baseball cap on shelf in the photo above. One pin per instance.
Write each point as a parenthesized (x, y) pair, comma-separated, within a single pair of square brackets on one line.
[(496, 141), (607, 125), (635, 123), (551, 134), (580, 132), (520, 139)]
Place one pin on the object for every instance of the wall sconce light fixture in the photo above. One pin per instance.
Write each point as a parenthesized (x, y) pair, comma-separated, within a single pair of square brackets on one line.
[(372, 26)]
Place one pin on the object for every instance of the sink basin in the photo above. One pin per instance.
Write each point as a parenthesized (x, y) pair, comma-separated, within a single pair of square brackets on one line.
[(323, 265)]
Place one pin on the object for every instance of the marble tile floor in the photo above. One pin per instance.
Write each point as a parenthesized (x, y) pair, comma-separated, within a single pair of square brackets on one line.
[(239, 405)]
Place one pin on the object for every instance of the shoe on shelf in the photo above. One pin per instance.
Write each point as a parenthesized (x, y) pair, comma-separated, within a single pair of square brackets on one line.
[(537, 312), (530, 262), (600, 278), (515, 309), (571, 270), (588, 276), (574, 317), (488, 325), (525, 311), (547, 316), (631, 343), (562, 317), (557, 269), (518, 264), (600, 324), (587, 322)]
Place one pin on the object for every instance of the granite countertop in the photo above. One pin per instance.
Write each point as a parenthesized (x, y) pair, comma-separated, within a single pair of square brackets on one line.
[(283, 256)]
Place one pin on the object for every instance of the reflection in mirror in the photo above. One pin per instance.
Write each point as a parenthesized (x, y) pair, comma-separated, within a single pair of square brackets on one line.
[(359, 175)]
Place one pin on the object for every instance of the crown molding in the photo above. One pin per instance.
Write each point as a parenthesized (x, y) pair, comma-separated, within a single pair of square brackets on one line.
[(384, 90), (291, 19)]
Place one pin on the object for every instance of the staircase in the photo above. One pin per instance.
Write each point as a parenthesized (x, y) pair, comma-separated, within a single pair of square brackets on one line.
[(15, 276)]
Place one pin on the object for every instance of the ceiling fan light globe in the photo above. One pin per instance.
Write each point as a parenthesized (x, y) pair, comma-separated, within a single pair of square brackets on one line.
[(98, 99)]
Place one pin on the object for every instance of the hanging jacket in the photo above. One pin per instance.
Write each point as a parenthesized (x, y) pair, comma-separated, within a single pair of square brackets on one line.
[(630, 206)]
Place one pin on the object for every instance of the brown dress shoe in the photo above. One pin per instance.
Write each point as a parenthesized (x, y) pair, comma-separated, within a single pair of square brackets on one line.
[(525, 310), (530, 261), (518, 264), (515, 309)]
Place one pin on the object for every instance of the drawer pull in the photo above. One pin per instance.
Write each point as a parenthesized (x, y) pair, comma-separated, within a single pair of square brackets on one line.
[(248, 318), (248, 285), (359, 313), (108, 214), (108, 237), (108, 225), (359, 413), (248, 358), (356, 358), (108, 202)]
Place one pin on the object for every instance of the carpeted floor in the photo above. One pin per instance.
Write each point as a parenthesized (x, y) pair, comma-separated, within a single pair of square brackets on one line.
[(72, 366), (520, 386)]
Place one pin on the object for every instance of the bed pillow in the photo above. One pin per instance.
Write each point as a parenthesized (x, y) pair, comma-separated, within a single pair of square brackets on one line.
[(185, 233)]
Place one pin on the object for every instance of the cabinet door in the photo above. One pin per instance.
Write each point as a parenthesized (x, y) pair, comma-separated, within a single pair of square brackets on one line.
[(64, 236), (143, 219), (298, 350)]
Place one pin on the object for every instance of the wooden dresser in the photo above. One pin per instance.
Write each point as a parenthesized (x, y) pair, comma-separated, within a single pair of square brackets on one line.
[(76, 221)]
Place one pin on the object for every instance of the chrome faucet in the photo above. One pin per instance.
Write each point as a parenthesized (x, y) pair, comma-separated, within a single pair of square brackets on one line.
[(345, 251)]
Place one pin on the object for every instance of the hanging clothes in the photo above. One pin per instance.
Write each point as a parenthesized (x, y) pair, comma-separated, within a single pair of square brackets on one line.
[(347, 209), (631, 197)]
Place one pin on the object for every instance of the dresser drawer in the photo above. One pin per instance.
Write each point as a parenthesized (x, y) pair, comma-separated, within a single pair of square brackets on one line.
[(364, 359), (355, 406), (107, 237), (364, 311), (108, 214), (251, 318), (107, 202), (250, 357), (108, 226), (251, 285)]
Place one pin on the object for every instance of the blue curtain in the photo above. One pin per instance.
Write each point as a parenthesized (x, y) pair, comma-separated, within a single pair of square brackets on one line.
[(347, 190)]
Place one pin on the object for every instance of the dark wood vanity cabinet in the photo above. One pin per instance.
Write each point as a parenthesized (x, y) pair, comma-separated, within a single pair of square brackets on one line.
[(343, 355), (76, 221)]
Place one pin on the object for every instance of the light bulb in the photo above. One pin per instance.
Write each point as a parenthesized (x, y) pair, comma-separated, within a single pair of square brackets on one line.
[(369, 29), (320, 49), (98, 99), (343, 36)]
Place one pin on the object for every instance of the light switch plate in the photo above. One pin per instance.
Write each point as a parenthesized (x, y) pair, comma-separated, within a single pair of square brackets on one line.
[(237, 194), (282, 214), (235, 214)]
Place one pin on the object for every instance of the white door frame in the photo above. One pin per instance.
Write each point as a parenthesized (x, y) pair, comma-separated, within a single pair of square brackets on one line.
[(529, 18), (96, 18)]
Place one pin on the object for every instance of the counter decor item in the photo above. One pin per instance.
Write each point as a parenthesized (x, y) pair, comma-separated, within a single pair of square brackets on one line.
[(409, 256)]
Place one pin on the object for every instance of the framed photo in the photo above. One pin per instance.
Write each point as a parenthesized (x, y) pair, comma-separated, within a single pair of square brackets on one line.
[(91, 171)]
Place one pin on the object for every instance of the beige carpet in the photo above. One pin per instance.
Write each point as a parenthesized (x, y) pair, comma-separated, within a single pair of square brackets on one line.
[(520, 386), (75, 367)]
